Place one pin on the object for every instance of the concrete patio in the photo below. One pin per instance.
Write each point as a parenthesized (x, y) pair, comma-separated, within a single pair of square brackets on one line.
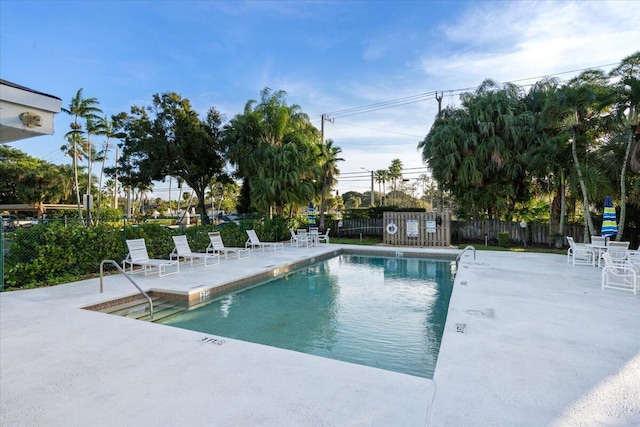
[(530, 341)]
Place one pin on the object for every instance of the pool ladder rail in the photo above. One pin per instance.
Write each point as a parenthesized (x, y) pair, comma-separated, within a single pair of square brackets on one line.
[(115, 264), (466, 249)]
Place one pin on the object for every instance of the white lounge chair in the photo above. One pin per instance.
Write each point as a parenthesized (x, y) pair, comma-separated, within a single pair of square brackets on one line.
[(183, 250), (579, 254), (254, 242), (624, 277), (324, 237), (217, 246), (138, 256)]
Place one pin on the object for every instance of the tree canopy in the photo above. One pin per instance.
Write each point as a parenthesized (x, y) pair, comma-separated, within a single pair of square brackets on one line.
[(168, 138)]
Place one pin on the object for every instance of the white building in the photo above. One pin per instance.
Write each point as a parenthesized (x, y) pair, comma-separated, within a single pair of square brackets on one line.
[(25, 113)]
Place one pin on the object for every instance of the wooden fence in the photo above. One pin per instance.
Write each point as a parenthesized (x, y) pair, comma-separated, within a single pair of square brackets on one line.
[(458, 231), (424, 229), (534, 233)]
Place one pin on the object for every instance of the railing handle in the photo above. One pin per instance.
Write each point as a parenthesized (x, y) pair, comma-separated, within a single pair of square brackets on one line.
[(470, 247), (115, 264)]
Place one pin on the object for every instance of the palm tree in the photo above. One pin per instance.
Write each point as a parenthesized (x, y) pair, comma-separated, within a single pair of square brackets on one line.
[(328, 159), (75, 148), (382, 176), (107, 128), (626, 112), (395, 173), (584, 100), (273, 144), (80, 108)]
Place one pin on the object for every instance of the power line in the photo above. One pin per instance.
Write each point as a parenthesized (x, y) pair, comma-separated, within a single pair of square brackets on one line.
[(431, 95), (380, 130)]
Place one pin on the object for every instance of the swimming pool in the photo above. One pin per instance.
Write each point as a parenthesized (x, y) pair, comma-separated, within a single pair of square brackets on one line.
[(383, 312)]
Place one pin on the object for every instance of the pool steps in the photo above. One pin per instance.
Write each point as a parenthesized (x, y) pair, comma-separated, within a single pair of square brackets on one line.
[(139, 309)]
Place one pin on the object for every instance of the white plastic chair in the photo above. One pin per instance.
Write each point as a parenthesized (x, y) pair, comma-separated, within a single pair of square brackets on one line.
[(324, 237), (138, 256), (254, 242), (217, 246), (298, 240), (183, 250), (618, 252), (579, 254), (623, 277)]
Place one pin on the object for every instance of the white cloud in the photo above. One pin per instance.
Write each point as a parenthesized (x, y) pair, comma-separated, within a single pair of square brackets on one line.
[(508, 41)]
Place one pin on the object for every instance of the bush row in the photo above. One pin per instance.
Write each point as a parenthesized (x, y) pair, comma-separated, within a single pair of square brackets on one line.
[(56, 252)]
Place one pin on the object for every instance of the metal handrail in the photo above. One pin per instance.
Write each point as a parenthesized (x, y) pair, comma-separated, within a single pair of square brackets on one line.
[(470, 247), (129, 278)]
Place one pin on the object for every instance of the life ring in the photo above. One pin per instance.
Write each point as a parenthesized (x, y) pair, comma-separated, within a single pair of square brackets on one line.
[(392, 228)]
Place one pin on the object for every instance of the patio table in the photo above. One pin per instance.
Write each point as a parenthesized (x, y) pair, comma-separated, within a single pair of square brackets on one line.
[(597, 249)]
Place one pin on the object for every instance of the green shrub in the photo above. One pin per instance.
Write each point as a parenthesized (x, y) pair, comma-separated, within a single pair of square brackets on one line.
[(65, 251), (503, 239)]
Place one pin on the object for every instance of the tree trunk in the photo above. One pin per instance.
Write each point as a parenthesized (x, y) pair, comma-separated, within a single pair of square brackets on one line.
[(589, 229), (89, 164), (104, 159), (75, 175), (623, 187), (202, 207), (563, 204)]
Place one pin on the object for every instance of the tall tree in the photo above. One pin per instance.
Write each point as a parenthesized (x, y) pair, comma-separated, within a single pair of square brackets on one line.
[(584, 102), (481, 151), (169, 139), (382, 176), (626, 109), (395, 173), (272, 145), (80, 108), (328, 158)]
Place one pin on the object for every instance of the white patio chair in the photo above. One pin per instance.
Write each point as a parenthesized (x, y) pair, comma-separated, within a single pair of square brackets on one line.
[(579, 254), (183, 250), (298, 240), (217, 246), (324, 237), (304, 238), (314, 233), (618, 252), (138, 256), (254, 242), (623, 277)]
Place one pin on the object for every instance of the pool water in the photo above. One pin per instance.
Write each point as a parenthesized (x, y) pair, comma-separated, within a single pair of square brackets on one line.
[(388, 313)]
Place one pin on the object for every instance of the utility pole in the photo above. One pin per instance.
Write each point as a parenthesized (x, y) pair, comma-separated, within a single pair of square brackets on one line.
[(325, 118), (373, 200), (439, 99)]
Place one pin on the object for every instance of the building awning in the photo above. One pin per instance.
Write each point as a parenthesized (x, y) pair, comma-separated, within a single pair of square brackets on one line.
[(25, 113)]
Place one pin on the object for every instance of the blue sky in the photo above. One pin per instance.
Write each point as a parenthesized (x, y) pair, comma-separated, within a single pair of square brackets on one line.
[(329, 56)]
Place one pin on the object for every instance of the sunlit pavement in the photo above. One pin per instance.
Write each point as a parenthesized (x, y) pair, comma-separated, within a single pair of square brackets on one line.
[(530, 341)]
